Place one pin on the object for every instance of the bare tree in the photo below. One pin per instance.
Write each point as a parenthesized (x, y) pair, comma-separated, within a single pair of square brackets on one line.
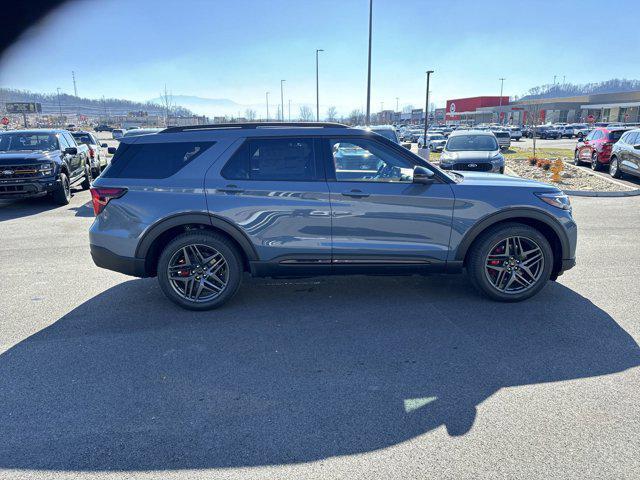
[(407, 108), (306, 114), (332, 114), (533, 113), (356, 117), (250, 114), (166, 101)]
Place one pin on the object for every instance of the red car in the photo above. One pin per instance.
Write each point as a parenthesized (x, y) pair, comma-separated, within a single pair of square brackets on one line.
[(595, 148)]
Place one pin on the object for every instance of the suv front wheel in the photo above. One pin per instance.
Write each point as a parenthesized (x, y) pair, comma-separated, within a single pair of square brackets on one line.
[(510, 262), (199, 270)]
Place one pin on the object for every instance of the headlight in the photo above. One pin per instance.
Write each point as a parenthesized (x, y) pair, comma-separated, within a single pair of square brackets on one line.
[(448, 157), (557, 199), (497, 158), (47, 168)]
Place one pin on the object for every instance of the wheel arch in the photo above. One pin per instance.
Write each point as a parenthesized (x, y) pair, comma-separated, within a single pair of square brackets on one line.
[(161, 233), (537, 219)]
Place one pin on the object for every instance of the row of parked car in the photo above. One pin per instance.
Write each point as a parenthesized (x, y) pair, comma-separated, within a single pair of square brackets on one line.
[(612, 147)]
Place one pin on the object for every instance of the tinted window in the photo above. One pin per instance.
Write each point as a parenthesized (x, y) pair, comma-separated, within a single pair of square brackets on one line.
[(632, 139), (472, 143), (615, 135), (153, 160), (63, 142), (277, 159), (83, 138), (362, 160), (70, 140), (387, 133)]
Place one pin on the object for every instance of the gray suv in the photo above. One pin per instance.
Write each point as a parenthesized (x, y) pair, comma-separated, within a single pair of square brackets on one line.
[(200, 206)]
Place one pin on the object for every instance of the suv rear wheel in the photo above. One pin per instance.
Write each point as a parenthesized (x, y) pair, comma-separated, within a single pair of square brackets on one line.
[(510, 262), (199, 270), (614, 168)]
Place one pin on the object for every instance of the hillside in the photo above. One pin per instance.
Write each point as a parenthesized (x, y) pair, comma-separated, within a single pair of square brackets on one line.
[(615, 85), (71, 104)]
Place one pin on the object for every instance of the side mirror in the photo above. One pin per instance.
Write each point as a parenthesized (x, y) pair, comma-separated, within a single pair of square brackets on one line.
[(104, 145), (637, 147), (111, 150), (422, 175), (71, 151)]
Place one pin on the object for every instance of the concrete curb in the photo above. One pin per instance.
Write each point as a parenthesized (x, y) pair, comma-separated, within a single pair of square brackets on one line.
[(590, 193)]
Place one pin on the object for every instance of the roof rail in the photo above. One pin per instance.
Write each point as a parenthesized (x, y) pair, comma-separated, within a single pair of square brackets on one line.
[(221, 126)]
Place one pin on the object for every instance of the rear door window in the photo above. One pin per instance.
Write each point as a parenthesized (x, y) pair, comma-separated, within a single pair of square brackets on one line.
[(275, 159), (615, 135), (153, 160)]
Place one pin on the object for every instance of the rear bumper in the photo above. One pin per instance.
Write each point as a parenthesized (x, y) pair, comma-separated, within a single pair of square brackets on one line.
[(105, 258)]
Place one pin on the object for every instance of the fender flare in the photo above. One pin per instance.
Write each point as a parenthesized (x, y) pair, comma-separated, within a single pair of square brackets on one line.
[(509, 214), (158, 228)]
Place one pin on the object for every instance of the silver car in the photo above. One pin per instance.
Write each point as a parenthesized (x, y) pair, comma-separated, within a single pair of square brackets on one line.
[(475, 150)]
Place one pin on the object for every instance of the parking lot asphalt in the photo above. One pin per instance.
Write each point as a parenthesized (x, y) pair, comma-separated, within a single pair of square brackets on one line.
[(355, 377)]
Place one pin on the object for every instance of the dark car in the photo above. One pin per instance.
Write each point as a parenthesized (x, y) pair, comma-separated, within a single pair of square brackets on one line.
[(625, 155), (595, 148), (476, 150), (104, 128), (545, 132), (36, 163)]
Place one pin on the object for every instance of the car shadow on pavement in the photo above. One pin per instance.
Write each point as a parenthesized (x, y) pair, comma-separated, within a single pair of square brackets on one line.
[(287, 372), (11, 209)]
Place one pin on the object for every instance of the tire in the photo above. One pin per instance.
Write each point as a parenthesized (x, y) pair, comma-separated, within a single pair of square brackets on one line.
[(596, 166), (614, 168), (207, 243), (480, 272), (576, 158), (62, 194), (88, 177), (502, 170)]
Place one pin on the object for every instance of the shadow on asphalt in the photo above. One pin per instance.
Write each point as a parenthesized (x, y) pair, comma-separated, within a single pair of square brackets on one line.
[(287, 372), (12, 209)]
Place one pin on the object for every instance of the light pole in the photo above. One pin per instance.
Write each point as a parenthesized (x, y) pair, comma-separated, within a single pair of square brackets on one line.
[(282, 100), (397, 104), (318, 50), (368, 119), (267, 95), (501, 87), (289, 109), (59, 107), (426, 109)]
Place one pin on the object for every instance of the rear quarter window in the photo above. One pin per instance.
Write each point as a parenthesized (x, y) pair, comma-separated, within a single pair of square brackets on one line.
[(153, 160)]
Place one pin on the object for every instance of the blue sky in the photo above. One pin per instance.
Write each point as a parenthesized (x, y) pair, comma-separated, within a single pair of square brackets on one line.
[(238, 49)]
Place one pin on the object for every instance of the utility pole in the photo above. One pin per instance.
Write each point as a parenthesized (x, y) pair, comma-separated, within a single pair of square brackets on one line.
[(554, 79), (282, 100), (317, 87), (564, 77), (75, 88), (426, 109), (502, 79), (59, 107), (368, 119), (397, 104), (289, 109), (267, 106)]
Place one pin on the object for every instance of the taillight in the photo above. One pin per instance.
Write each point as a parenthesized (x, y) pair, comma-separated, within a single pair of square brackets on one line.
[(101, 196), (91, 153)]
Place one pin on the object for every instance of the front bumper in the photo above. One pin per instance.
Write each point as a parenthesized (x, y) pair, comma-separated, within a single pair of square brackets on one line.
[(105, 258), (486, 167), (27, 187)]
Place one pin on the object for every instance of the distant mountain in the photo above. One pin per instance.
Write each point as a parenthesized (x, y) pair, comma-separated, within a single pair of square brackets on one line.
[(615, 85), (206, 106), (70, 104)]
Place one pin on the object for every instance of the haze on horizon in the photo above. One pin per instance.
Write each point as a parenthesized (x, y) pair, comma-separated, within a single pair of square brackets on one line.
[(238, 50)]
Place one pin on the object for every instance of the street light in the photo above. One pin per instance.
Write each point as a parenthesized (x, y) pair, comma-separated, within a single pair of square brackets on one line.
[(281, 108), (397, 104), (368, 119), (318, 50), (59, 106), (501, 86), (426, 109), (267, 94)]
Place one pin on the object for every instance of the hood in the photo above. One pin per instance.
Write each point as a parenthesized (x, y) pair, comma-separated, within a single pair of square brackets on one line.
[(501, 180), (27, 157)]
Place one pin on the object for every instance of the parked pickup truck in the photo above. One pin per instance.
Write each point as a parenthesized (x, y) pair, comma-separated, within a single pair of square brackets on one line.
[(37, 163)]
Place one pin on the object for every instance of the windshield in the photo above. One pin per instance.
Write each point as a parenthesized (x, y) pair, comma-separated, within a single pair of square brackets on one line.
[(436, 137), (13, 142), (467, 143)]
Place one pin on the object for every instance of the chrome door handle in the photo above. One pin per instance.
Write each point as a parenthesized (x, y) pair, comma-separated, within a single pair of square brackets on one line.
[(355, 194)]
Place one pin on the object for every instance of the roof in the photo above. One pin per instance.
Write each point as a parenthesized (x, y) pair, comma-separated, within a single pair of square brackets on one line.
[(456, 133), (37, 130)]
